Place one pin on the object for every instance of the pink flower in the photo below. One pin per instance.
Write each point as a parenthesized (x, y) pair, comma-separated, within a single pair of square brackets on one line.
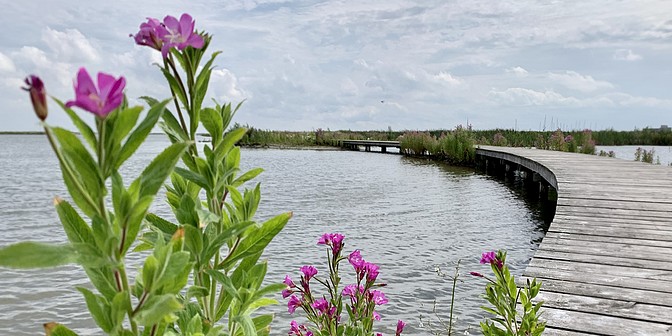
[(476, 274), (356, 260), (38, 95), (288, 281), (308, 272), (99, 100), (335, 240), (351, 290), (293, 303), (286, 293), (371, 271), (488, 257), (179, 34), (400, 327), (376, 316), (298, 329), (378, 298), (148, 34), (321, 305)]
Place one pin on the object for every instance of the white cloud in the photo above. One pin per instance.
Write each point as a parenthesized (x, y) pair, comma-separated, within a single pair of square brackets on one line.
[(575, 81), (69, 45), (518, 71), (225, 87), (6, 64), (448, 78), (626, 55), (528, 97)]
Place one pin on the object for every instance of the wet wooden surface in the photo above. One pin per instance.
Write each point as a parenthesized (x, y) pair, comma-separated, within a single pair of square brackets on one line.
[(606, 261)]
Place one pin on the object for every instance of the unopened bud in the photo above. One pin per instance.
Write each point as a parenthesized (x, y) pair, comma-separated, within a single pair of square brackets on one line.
[(38, 95), (178, 235)]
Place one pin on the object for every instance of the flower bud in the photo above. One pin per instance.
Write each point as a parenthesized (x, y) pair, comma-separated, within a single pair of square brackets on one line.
[(38, 95)]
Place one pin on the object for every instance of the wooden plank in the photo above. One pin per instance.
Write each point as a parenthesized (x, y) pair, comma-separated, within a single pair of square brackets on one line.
[(660, 287), (665, 229), (618, 204), (602, 324), (596, 238), (549, 331), (623, 250), (590, 268), (604, 292), (644, 234), (616, 227), (617, 308), (604, 259)]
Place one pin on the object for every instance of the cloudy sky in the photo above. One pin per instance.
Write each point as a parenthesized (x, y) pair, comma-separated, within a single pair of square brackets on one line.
[(369, 64)]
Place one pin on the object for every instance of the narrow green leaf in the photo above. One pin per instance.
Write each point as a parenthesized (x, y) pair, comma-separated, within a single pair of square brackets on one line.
[(74, 226), (36, 255), (159, 169), (257, 240), (226, 282), (245, 321), (99, 308), (247, 176), (161, 224), (193, 177), (212, 121)]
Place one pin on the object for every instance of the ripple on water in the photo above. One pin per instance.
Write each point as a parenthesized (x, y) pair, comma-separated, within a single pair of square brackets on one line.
[(409, 216)]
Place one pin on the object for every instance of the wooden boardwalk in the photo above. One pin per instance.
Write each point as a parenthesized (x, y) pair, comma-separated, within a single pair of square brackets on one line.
[(606, 261)]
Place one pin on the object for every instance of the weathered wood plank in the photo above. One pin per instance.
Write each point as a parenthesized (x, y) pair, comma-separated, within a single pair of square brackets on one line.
[(644, 234), (603, 325), (604, 292), (596, 238), (600, 269), (604, 259), (622, 281), (617, 308)]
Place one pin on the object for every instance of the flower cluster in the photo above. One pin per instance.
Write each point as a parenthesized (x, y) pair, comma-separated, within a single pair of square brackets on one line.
[(324, 311), (492, 258), (171, 33)]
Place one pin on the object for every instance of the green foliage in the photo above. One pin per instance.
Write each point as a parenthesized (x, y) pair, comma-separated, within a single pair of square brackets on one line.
[(456, 146), (514, 313), (647, 156), (215, 210)]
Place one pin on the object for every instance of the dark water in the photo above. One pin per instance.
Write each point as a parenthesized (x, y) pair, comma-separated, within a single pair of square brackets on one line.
[(409, 216)]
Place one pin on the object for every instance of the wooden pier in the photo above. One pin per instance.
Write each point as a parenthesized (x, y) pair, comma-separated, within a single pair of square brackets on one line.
[(368, 144), (606, 260)]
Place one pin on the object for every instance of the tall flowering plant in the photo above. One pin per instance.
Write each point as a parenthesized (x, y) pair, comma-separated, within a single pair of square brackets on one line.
[(324, 309), (221, 233), (512, 308), (103, 218)]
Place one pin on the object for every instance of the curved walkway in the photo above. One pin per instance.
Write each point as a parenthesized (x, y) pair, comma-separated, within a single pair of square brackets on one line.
[(606, 261)]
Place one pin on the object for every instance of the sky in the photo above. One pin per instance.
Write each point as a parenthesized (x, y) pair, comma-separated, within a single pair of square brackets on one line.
[(367, 64)]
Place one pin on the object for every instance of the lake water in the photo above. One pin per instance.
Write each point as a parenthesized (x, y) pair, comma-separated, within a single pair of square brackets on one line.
[(410, 216)]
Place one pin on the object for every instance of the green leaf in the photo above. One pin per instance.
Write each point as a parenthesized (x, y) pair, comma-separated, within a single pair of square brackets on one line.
[(83, 127), (156, 308), (140, 133), (248, 326), (36, 255), (226, 282), (55, 329), (74, 226), (99, 308), (230, 139), (263, 322), (161, 224), (247, 176), (212, 121), (193, 177), (261, 302), (159, 169), (193, 238), (258, 239), (197, 291)]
